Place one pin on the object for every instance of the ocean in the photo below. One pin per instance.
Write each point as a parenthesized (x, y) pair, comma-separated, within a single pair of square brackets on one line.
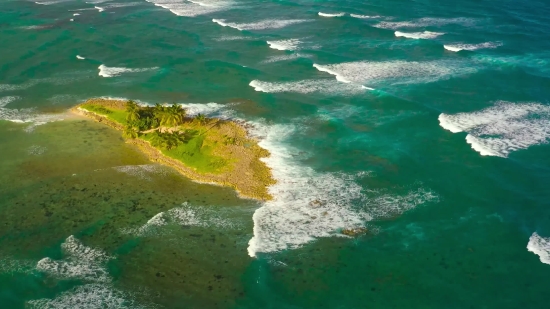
[(424, 123)]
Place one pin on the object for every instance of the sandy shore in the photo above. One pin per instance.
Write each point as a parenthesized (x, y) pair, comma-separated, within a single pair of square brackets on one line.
[(248, 175)]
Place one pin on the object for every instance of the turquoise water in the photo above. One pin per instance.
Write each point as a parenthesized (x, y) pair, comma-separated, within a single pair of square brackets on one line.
[(426, 123)]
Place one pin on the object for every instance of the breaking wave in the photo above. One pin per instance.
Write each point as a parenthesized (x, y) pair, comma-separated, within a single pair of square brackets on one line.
[(502, 128), (364, 16), (323, 86), (540, 246), (285, 57), (425, 22), (331, 15), (470, 47), (307, 204), (185, 215), (394, 72), (86, 264), (419, 35), (261, 25), (190, 8), (291, 44), (25, 115), (105, 71)]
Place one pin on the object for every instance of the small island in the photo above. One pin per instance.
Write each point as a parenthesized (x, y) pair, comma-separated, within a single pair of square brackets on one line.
[(209, 150)]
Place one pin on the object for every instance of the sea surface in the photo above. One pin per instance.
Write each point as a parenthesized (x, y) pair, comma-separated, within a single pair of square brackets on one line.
[(424, 122)]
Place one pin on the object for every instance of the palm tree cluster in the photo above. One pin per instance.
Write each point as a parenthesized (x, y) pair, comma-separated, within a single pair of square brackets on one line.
[(146, 118), (169, 116)]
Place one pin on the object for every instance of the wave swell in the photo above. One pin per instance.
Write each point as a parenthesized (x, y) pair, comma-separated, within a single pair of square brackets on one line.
[(261, 25), (105, 71), (502, 128), (471, 47), (418, 35)]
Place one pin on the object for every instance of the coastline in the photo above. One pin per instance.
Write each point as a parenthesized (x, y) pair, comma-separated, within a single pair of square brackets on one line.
[(248, 175)]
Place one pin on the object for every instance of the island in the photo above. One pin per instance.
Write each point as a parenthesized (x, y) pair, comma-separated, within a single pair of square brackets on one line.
[(208, 150)]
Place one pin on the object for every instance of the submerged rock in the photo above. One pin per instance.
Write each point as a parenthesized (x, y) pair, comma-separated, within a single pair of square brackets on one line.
[(355, 231)]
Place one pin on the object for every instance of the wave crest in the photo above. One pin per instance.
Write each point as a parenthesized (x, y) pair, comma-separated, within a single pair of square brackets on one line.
[(502, 128)]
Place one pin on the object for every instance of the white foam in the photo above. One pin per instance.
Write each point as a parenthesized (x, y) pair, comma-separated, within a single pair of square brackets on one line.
[(100, 9), (470, 47), (331, 15), (76, 14), (88, 296), (364, 16), (191, 8), (141, 171), (285, 57), (25, 115), (291, 44), (79, 262), (105, 71), (425, 22), (211, 110), (261, 25), (540, 246), (9, 265), (394, 72), (80, 57), (323, 86), (502, 128), (232, 38), (419, 35), (307, 204), (185, 215), (36, 150)]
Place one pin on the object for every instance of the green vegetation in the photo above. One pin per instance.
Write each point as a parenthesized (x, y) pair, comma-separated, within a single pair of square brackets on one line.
[(114, 114), (205, 149), (165, 128)]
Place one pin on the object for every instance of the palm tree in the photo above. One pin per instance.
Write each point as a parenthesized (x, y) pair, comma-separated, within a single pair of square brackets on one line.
[(173, 116), (200, 118), (133, 112), (130, 132)]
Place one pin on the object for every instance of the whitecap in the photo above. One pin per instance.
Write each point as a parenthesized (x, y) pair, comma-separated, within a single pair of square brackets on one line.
[(260, 25), (286, 57), (322, 86), (364, 16), (418, 35), (291, 44), (471, 47), (502, 128), (100, 9), (540, 246), (185, 215), (88, 296), (394, 72), (425, 22), (308, 204), (105, 71), (79, 262), (80, 57), (192, 8), (211, 110), (331, 15), (76, 14), (25, 115)]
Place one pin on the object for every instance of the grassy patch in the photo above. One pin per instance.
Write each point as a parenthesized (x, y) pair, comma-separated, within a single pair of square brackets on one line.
[(111, 113), (195, 154)]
